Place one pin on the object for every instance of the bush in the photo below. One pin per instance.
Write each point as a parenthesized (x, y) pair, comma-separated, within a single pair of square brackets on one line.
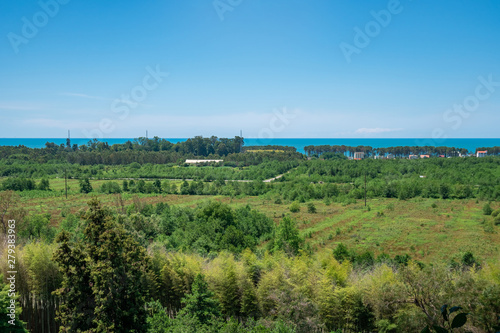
[(340, 253), (18, 184), (295, 207), (497, 220), (110, 188), (311, 208), (44, 185), (134, 165), (487, 209), (468, 260), (495, 213)]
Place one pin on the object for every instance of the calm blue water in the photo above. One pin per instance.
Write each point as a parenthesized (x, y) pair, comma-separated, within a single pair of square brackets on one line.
[(469, 144)]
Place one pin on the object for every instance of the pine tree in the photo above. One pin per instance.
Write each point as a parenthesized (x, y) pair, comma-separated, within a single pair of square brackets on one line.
[(85, 186), (76, 311), (125, 185), (105, 278), (200, 304)]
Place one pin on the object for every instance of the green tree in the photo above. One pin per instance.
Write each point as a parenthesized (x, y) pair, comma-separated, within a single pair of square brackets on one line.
[(184, 188), (341, 253), (444, 190), (158, 320), (141, 186), (201, 303), (105, 277), (225, 285), (157, 186), (44, 185), (125, 185), (76, 311), (37, 226), (287, 237), (85, 186)]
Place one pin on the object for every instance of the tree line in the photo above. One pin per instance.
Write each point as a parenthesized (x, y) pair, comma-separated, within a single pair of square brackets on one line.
[(333, 179), (399, 151)]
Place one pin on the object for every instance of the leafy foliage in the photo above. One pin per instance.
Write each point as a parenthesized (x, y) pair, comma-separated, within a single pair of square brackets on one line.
[(104, 278), (287, 237)]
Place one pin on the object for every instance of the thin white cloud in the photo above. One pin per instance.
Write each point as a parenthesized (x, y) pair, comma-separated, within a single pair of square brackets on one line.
[(376, 130), (84, 96), (19, 106), (130, 103)]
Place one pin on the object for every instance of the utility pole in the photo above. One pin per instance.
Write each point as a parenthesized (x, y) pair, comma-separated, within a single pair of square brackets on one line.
[(66, 182), (365, 188)]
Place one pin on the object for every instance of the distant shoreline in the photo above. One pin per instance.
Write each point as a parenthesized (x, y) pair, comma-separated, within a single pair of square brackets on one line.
[(299, 143)]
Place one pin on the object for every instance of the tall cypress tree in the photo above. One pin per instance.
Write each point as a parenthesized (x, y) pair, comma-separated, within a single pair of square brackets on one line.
[(104, 278), (76, 311)]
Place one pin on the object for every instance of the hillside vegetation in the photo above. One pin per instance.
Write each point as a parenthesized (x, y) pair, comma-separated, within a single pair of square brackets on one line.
[(155, 247)]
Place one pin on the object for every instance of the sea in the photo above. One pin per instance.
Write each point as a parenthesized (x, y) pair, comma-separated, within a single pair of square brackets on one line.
[(470, 144)]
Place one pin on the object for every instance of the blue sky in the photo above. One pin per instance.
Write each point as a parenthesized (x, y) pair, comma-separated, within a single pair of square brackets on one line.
[(280, 68)]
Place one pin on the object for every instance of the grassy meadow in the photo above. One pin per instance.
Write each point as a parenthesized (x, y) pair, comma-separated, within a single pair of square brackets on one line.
[(429, 230)]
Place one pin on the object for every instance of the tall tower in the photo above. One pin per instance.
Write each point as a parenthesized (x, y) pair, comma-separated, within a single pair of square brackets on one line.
[(68, 140)]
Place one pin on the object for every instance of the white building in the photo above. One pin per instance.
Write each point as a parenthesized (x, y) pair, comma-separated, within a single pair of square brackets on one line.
[(482, 153), (203, 161), (359, 155)]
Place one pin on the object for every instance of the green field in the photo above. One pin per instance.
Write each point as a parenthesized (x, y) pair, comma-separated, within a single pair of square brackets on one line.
[(429, 230)]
